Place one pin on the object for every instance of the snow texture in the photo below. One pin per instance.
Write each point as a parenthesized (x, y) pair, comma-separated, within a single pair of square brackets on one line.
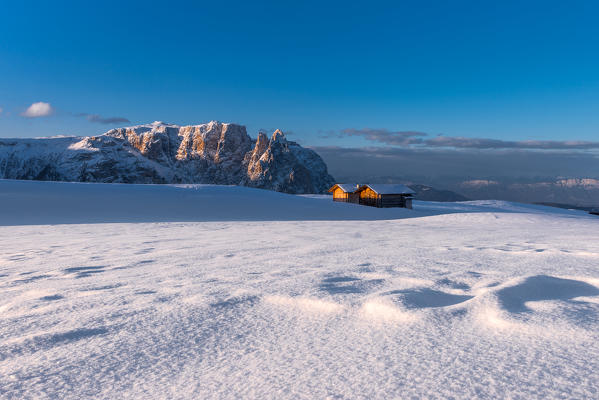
[(461, 300)]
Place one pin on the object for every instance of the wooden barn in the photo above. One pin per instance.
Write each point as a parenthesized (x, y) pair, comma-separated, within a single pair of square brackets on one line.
[(385, 195), (345, 192), (374, 195)]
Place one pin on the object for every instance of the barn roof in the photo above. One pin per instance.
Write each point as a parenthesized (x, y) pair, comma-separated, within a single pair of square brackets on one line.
[(381, 188), (346, 187)]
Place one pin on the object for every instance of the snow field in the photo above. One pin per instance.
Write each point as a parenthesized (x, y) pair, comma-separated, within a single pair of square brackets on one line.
[(488, 305), (216, 292), (42, 203)]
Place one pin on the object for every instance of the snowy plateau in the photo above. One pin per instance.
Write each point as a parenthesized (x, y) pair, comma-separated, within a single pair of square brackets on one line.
[(124, 291)]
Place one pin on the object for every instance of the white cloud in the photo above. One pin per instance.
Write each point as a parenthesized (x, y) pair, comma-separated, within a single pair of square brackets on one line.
[(39, 109)]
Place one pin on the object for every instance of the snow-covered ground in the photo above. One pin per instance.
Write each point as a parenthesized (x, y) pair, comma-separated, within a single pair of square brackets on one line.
[(225, 292)]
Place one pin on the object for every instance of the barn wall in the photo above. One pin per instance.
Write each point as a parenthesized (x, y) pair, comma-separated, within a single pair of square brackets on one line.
[(353, 198), (368, 194), (369, 197), (339, 195), (393, 200)]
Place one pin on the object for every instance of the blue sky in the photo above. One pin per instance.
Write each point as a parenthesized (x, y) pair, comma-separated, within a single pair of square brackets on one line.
[(509, 70)]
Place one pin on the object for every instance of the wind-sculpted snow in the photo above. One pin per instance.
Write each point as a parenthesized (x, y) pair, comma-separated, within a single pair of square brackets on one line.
[(214, 153), (480, 300)]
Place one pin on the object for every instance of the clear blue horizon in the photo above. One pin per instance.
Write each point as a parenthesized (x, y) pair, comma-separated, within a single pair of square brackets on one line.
[(508, 71)]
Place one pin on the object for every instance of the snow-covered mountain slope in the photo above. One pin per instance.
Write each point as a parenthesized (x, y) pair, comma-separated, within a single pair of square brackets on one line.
[(35, 202), (579, 192), (214, 153), (483, 299)]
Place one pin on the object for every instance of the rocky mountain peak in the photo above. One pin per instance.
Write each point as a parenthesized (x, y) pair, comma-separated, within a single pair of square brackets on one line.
[(278, 135), (215, 152)]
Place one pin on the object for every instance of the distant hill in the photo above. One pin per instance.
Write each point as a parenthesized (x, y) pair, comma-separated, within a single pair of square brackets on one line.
[(577, 192), (424, 192), (592, 210)]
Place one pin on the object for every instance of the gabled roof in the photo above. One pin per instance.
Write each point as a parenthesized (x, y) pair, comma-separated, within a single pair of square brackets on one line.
[(380, 188), (346, 187)]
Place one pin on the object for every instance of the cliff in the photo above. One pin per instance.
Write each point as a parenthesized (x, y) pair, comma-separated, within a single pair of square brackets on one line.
[(216, 153)]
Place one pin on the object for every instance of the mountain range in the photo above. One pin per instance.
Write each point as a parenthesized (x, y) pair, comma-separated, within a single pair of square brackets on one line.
[(216, 153), (223, 153), (581, 192)]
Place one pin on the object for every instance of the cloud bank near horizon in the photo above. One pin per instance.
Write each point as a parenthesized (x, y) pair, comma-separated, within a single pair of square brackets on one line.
[(442, 166), (415, 139)]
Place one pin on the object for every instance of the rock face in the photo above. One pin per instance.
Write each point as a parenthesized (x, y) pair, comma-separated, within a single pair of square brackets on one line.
[(215, 153)]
